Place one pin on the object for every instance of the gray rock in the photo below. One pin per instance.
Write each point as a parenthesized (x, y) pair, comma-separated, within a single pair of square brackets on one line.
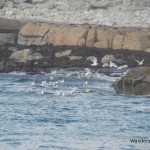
[(25, 56), (135, 82), (9, 26), (63, 53), (108, 59), (8, 38), (21, 55), (4, 64), (2, 4)]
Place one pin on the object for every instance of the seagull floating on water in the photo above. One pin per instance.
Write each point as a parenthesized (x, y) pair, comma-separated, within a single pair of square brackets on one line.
[(33, 83), (140, 62), (85, 83), (93, 60)]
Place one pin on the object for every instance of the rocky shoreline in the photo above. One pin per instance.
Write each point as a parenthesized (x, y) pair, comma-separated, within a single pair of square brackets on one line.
[(35, 47), (39, 46), (35, 58)]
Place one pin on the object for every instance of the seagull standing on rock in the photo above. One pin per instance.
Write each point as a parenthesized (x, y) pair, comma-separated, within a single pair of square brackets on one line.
[(93, 60)]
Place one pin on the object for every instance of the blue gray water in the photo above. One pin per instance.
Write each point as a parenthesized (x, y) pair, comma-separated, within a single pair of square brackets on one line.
[(70, 110)]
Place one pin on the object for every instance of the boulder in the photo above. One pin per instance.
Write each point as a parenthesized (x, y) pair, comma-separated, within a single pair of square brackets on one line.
[(135, 82), (108, 59), (25, 56), (63, 53), (8, 38)]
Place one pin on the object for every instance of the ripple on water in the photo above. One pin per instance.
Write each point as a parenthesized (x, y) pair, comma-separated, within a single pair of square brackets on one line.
[(69, 110)]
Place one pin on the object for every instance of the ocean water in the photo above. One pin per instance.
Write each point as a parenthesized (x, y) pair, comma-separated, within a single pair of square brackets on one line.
[(70, 109)]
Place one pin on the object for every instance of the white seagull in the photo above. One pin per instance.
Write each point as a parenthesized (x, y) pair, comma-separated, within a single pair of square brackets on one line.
[(140, 62), (112, 64), (93, 60)]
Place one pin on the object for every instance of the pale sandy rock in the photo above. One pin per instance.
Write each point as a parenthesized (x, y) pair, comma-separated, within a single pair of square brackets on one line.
[(81, 42), (25, 56), (99, 45), (91, 38), (136, 41), (34, 30), (19, 56), (107, 59), (31, 40), (63, 53), (118, 41), (102, 38), (66, 35)]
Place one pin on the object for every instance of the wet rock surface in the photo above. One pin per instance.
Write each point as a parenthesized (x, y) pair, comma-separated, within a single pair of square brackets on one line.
[(135, 82), (43, 58)]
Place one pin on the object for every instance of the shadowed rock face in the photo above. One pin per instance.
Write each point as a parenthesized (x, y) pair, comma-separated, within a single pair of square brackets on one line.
[(135, 82), (9, 26)]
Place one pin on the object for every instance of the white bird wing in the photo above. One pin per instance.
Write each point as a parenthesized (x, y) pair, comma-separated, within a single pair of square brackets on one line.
[(137, 61), (142, 60), (122, 67), (113, 65)]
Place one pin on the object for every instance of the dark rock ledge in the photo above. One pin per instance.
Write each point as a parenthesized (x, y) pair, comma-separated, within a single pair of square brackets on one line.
[(35, 59)]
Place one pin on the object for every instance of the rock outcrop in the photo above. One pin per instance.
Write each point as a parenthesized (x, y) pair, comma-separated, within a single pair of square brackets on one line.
[(135, 82), (25, 56), (85, 35)]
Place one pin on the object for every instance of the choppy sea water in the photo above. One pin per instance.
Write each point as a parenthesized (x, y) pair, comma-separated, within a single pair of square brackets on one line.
[(70, 110)]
